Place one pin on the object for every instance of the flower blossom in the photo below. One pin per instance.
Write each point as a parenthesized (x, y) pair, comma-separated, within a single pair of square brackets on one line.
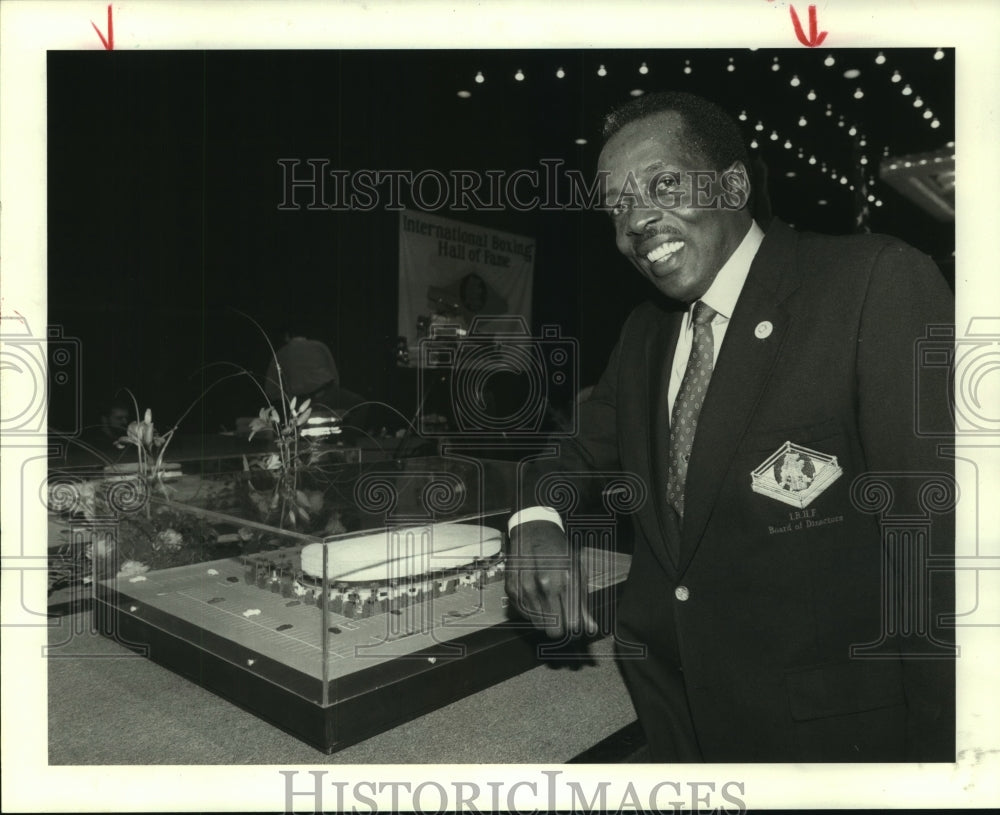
[(169, 539), (131, 568)]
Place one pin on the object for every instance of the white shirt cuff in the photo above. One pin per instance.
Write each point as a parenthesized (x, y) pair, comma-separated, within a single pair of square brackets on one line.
[(534, 514)]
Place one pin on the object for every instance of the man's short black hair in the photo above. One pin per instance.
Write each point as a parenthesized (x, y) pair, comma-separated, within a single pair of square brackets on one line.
[(713, 132)]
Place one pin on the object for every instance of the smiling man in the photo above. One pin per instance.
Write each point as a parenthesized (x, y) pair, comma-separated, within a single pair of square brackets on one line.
[(676, 218), (780, 612)]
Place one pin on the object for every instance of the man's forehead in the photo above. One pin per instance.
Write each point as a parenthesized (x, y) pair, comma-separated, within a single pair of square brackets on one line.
[(646, 139)]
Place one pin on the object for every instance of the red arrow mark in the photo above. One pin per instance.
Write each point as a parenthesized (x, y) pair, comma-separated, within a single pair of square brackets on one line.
[(109, 43), (810, 42)]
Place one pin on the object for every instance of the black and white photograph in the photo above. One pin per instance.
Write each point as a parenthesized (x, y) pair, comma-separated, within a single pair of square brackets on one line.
[(546, 425)]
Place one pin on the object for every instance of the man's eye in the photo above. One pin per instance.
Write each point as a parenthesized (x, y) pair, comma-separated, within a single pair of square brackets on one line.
[(666, 182), (623, 206)]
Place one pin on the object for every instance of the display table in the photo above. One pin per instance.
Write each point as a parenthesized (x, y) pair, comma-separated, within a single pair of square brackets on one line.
[(108, 706)]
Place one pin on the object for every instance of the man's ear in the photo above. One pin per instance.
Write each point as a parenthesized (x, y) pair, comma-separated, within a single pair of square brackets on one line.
[(735, 186)]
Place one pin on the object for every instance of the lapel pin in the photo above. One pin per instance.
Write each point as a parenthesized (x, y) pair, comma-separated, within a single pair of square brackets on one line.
[(763, 329)]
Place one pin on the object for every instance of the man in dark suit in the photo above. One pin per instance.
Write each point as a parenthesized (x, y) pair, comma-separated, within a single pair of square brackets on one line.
[(767, 402)]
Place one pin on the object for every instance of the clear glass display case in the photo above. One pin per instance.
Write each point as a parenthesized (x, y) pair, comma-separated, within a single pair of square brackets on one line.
[(334, 600)]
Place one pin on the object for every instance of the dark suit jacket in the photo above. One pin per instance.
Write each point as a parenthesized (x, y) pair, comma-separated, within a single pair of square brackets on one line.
[(756, 664)]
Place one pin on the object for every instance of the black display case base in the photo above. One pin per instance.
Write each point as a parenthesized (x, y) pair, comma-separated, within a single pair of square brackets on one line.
[(377, 676)]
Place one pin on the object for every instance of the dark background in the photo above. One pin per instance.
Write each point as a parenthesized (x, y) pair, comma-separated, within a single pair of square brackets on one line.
[(164, 186)]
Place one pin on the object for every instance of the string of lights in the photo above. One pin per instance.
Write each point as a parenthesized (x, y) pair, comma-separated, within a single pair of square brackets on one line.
[(859, 178)]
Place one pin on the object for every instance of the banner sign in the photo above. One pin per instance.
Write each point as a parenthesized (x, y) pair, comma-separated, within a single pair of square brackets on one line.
[(451, 272)]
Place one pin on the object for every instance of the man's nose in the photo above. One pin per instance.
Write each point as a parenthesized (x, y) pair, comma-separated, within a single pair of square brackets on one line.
[(641, 216)]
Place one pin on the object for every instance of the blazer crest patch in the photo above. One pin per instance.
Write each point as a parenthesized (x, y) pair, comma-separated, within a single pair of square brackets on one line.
[(795, 475)]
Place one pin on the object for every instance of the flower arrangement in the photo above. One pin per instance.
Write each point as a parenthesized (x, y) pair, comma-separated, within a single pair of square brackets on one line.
[(283, 500), (142, 529), (129, 531), (164, 538), (150, 447)]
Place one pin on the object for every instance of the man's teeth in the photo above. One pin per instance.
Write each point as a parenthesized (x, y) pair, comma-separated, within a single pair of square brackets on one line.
[(663, 250)]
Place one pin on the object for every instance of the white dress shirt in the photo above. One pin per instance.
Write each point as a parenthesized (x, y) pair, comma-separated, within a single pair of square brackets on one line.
[(721, 297)]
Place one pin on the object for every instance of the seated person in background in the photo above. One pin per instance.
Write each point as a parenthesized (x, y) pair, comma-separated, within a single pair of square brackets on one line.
[(309, 372), (307, 368), (97, 439), (114, 423)]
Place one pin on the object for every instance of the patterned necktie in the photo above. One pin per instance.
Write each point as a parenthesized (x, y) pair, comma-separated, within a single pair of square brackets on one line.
[(687, 406)]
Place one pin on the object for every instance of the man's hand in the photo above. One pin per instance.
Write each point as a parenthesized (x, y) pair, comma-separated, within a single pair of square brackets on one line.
[(546, 582)]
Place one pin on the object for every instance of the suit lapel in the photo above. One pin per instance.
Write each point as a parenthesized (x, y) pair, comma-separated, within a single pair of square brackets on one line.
[(745, 363)]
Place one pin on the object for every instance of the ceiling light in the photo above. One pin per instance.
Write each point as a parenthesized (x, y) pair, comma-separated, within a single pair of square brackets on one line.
[(907, 90), (519, 76), (812, 159), (687, 66), (743, 116), (464, 94), (730, 67), (935, 124), (928, 113), (939, 54), (579, 141), (774, 135), (759, 126), (896, 76), (753, 144), (560, 73), (822, 202), (811, 96), (788, 144), (880, 59), (802, 121), (790, 174), (858, 94), (602, 71), (918, 102), (829, 60), (794, 81), (644, 69), (480, 78), (636, 92), (852, 73)]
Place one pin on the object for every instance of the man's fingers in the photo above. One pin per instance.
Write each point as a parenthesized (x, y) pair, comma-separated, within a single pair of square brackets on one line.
[(548, 589), (576, 616), (547, 582)]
